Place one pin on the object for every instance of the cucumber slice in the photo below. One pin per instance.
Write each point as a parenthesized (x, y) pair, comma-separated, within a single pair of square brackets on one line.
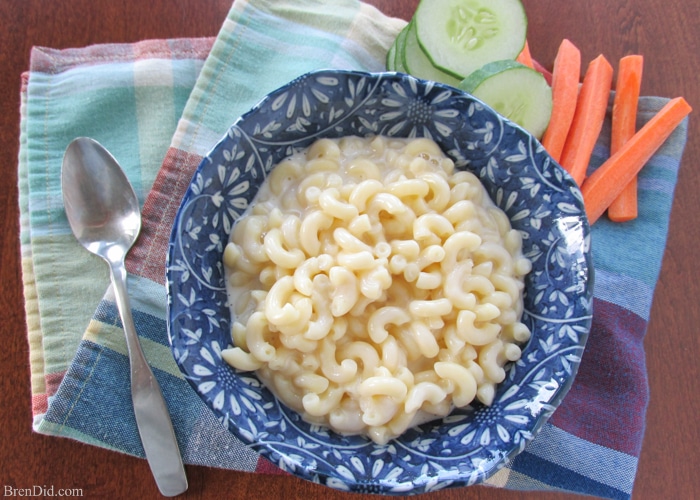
[(418, 64), (514, 90), (460, 36), (400, 42), (390, 62)]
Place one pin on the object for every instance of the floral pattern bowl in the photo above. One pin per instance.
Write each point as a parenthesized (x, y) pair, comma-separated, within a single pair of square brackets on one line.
[(542, 201)]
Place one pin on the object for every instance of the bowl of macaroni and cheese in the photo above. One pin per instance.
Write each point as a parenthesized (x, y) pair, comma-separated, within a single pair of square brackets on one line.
[(379, 283)]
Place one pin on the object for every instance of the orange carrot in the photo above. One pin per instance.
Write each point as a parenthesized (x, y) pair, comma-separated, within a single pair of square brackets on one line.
[(624, 120), (525, 57), (606, 183), (588, 118), (566, 74)]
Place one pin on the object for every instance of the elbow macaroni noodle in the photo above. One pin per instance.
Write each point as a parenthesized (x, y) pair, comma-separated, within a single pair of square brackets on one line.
[(374, 287)]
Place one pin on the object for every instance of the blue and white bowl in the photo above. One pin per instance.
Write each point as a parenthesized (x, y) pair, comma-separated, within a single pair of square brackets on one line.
[(542, 201)]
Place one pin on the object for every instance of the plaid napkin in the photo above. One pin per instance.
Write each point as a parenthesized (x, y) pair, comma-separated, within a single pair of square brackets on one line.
[(174, 99), (129, 97)]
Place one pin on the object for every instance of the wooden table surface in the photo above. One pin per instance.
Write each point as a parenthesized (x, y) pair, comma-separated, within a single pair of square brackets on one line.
[(666, 32)]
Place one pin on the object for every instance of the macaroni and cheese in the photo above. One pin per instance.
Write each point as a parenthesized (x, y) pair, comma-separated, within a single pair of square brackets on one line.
[(373, 286)]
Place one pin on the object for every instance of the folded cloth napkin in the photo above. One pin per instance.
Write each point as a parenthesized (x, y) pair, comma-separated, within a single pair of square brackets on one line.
[(130, 97), (127, 96)]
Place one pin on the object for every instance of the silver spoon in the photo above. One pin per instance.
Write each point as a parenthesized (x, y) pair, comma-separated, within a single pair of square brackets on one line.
[(104, 214)]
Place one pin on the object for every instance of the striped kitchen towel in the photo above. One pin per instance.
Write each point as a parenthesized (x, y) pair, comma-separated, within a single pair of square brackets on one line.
[(130, 98), (127, 96)]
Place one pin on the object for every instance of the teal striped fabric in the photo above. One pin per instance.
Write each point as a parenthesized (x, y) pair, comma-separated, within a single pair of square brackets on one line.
[(160, 106), (130, 98)]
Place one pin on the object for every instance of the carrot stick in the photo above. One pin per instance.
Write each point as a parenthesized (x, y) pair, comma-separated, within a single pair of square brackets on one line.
[(565, 78), (624, 120), (525, 57), (588, 118), (606, 183)]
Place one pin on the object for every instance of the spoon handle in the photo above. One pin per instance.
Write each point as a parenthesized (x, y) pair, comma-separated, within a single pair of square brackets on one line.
[(152, 417)]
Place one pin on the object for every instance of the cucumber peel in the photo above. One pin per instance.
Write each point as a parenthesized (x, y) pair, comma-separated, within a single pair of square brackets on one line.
[(390, 62), (396, 52), (515, 91)]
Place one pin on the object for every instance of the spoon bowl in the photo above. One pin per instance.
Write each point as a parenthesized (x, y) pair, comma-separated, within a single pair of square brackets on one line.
[(101, 205), (104, 215)]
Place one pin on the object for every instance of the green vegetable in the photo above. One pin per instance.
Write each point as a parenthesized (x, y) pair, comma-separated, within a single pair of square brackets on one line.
[(514, 90), (417, 62), (460, 36), (391, 58), (394, 58)]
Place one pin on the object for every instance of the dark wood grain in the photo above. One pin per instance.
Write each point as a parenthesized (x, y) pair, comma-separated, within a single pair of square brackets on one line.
[(665, 31)]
